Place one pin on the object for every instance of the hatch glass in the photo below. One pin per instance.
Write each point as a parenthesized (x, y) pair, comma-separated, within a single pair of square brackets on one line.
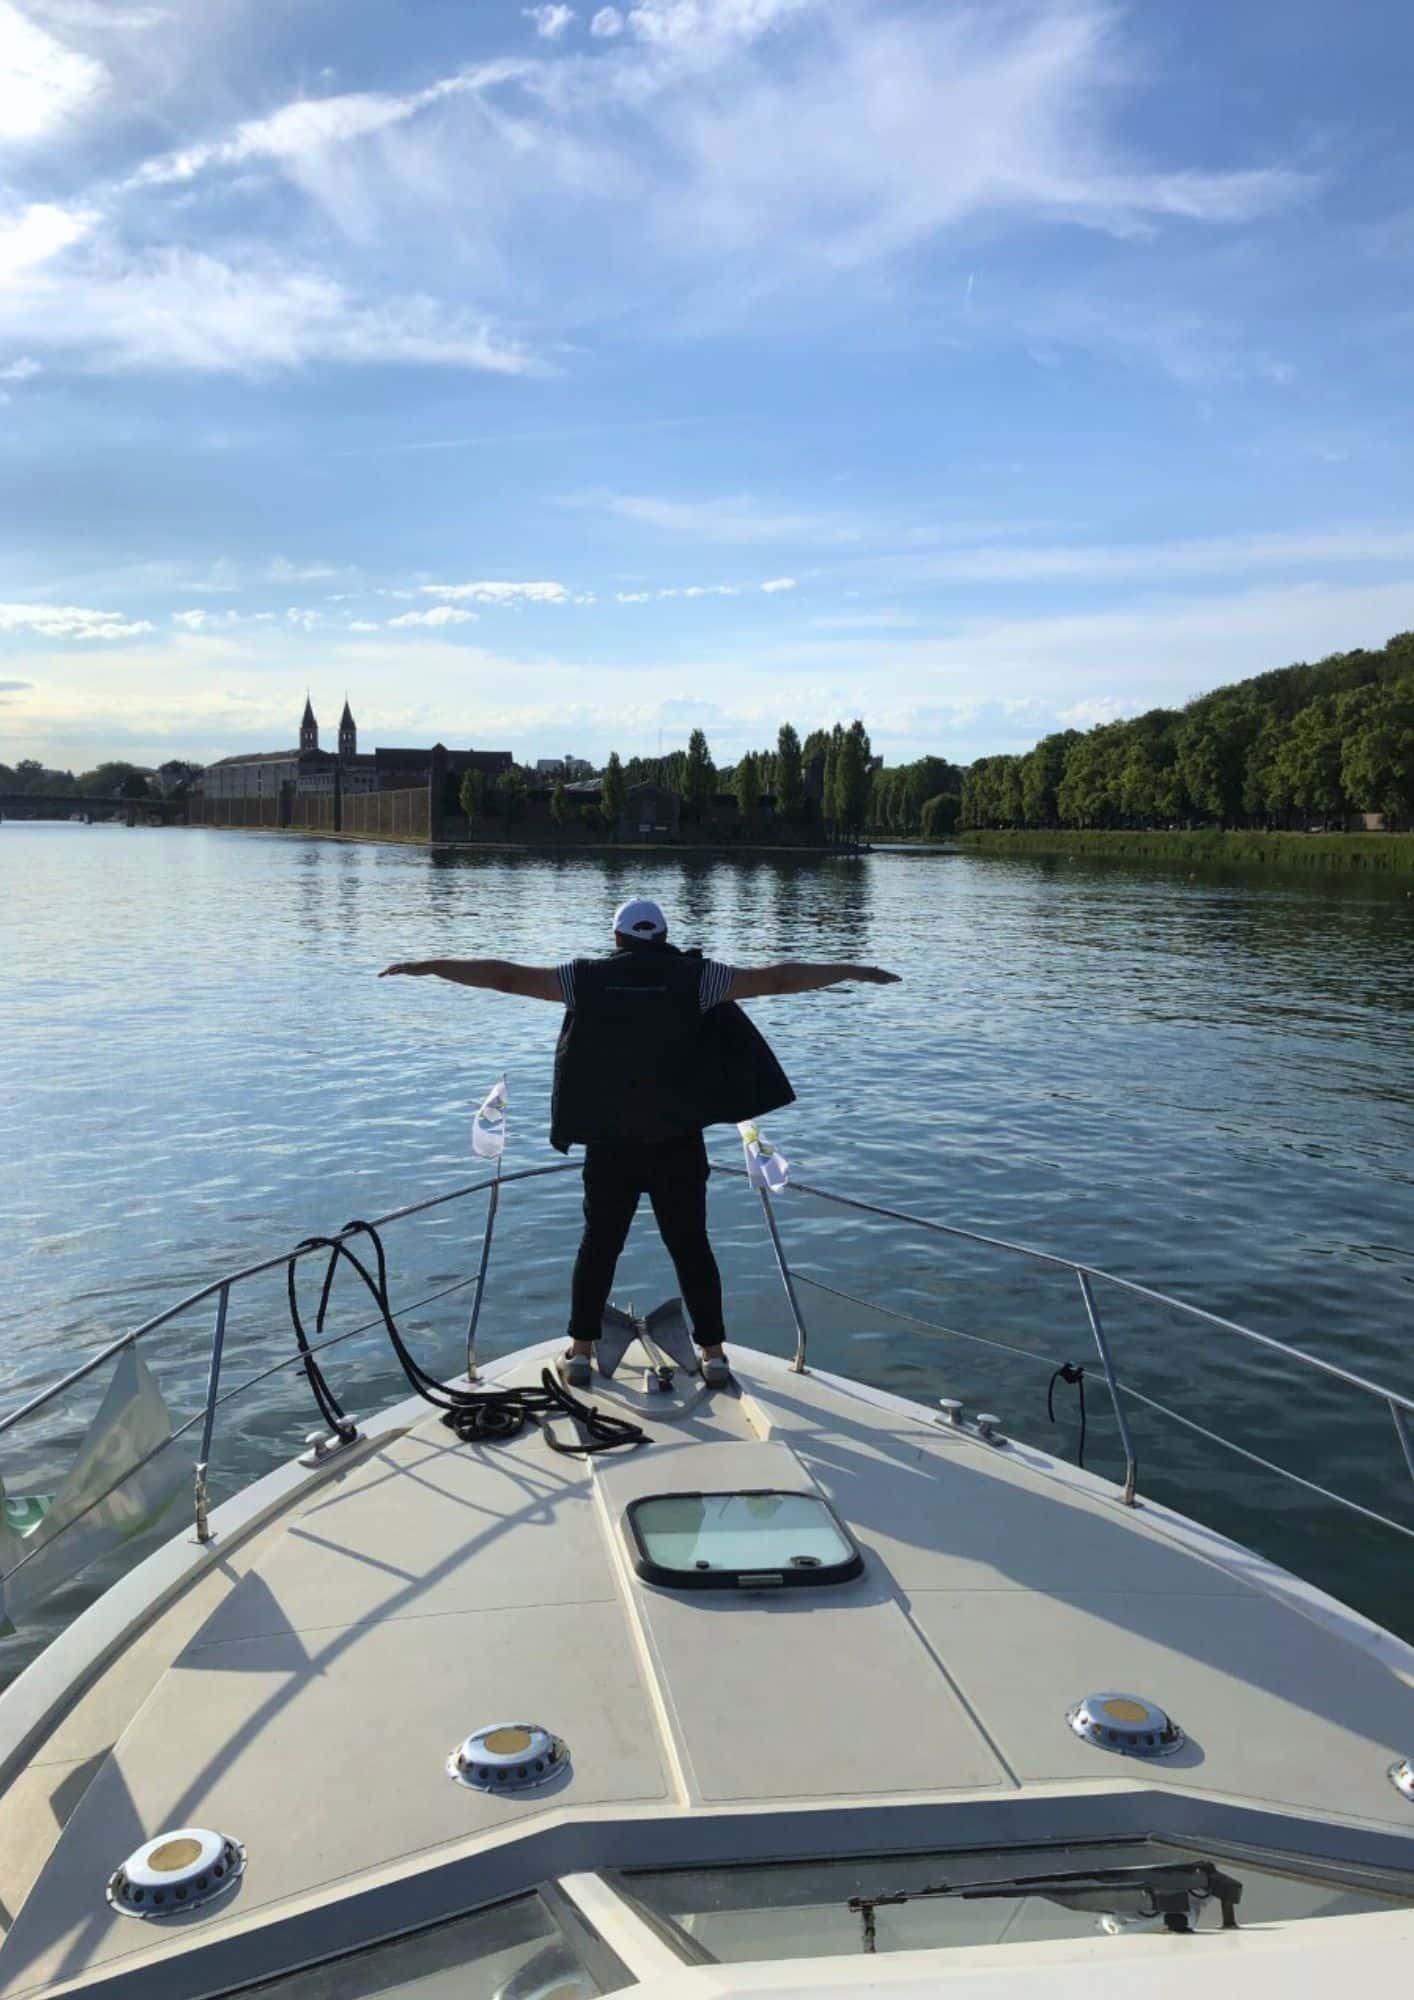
[(705, 1541), (514, 1951)]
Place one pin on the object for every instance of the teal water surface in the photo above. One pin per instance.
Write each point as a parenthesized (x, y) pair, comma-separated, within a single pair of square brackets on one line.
[(1206, 1084)]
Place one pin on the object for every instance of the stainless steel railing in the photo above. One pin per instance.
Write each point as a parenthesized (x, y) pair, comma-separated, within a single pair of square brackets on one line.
[(1087, 1277)]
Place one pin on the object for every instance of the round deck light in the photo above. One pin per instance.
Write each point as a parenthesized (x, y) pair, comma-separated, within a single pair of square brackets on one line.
[(1401, 1776), (176, 1872), (508, 1757), (1126, 1723)]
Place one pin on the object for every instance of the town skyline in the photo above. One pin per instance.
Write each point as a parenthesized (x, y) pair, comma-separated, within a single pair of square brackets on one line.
[(566, 374)]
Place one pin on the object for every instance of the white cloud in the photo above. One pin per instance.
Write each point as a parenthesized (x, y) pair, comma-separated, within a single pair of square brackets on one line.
[(33, 235), (23, 370), (303, 619), (439, 614), (68, 621), (1099, 708), (693, 24), (735, 519), (282, 570), (711, 590), (607, 23), (44, 85), (499, 593), (776, 583), (192, 620), (550, 22), (1230, 555), (185, 310), (362, 625), (99, 17), (633, 596)]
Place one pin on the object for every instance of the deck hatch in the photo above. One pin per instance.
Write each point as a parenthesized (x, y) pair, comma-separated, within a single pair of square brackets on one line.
[(741, 1540)]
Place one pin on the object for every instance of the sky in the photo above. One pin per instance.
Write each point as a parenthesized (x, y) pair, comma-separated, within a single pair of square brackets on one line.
[(555, 378)]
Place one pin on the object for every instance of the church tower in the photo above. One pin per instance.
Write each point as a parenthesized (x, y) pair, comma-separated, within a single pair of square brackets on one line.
[(348, 735), (309, 728)]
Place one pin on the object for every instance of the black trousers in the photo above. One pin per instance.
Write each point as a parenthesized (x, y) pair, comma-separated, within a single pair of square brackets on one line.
[(673, 1175)]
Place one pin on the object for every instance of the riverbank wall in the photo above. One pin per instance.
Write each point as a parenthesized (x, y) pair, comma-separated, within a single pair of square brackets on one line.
[(1369, 853)]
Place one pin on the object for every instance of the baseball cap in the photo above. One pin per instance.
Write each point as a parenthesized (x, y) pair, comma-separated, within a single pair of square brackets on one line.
[(640, 917)]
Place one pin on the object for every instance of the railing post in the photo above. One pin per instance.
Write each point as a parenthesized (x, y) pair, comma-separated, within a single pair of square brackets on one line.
[(1404, 1434), (1131, 1463), (492, 1203), (798, 1364), (213, 1381)]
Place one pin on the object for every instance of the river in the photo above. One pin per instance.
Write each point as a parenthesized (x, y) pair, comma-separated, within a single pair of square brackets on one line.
[(1204, 1082)]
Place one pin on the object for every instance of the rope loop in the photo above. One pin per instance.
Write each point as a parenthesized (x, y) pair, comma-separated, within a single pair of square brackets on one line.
[(1071, 1372)]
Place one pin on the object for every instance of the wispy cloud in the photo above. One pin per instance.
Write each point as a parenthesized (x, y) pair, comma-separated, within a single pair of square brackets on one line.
[(436, 615), (1230, 555), (68, 621), (738, 518), (550, 21), (23, 370), (607, 23), (778, 583), (492, 592), (44, 84)]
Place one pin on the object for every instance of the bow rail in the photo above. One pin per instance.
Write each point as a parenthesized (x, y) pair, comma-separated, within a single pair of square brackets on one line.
[(87, 1507)]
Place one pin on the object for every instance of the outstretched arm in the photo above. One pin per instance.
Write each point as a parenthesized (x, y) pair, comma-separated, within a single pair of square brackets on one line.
[(501, 975), (792, 976)]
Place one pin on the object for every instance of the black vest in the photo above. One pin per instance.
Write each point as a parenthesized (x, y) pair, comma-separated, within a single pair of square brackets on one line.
[(638, 1060)]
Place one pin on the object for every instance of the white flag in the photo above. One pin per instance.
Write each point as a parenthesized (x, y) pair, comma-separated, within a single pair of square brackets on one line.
[(488, 1127), (765, 1167)]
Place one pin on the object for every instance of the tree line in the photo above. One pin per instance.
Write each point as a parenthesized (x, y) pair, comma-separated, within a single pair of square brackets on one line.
[(1303, 743), (114, 779)]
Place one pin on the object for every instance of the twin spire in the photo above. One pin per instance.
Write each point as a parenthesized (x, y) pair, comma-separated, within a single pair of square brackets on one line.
[(309, 729)]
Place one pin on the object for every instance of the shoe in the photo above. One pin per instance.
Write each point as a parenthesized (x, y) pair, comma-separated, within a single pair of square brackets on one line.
[(575, 1370), (716, 1373)]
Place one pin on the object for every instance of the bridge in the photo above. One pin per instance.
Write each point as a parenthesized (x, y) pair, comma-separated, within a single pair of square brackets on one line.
[(61, 805)]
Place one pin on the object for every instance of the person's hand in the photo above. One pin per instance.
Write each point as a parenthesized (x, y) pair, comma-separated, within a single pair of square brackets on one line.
[(875, 975), (409, 966)]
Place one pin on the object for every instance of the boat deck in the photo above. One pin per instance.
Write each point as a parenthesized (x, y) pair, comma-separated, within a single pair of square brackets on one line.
[(309, 1703)]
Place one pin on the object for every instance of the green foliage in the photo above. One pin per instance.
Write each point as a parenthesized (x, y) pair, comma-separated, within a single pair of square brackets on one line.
[(105, 781), (1301, 744), (788, 780), (134, 786), (748, 783), (699, 780), (510, 794), (29, 775), (559, 805), (613, 796), (940, 815), (1385, 854), (471, 795)]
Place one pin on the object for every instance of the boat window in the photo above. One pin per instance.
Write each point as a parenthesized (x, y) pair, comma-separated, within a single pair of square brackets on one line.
[(516, 1951), (705, 1541), (819, 1909)]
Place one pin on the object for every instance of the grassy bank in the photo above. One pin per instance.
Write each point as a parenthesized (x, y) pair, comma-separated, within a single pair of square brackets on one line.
[(1372, 853)]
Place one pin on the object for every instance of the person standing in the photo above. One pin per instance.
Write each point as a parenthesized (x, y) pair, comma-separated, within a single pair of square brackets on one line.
[(652, 1051)]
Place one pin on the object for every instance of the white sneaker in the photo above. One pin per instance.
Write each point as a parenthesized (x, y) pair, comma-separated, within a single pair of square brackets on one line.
[(716, 1373), (575, 1370)]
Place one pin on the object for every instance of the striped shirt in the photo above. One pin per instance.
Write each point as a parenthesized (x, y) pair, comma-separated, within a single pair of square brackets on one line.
[(713, 988)]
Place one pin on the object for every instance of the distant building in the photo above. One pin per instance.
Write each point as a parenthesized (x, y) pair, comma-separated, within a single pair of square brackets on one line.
[(565, 767), (310, 770)]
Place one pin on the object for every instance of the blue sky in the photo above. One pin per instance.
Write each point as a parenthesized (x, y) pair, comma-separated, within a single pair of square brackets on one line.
[(546, 378)]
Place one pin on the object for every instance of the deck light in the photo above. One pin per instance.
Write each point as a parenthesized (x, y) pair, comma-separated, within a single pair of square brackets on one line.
[(1126, 1723), (508, 1757), (176, 1872)]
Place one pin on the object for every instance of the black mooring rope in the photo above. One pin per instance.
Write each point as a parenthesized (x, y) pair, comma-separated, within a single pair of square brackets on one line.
[(476, 1415), (1069, 1371)]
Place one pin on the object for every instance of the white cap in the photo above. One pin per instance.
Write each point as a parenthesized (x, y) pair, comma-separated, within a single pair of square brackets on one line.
[(640, 917)]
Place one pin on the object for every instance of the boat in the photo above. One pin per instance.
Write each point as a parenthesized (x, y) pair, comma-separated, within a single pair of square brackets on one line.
[(797, 1687)]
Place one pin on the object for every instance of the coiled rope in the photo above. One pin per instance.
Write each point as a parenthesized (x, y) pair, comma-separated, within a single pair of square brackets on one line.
[(476, 1415)]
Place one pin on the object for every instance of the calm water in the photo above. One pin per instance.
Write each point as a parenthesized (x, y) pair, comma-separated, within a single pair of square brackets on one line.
[(1207, 1084)]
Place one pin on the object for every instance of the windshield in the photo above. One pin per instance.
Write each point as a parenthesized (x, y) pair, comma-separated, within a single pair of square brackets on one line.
[(1013, 1896), (515, 1951)]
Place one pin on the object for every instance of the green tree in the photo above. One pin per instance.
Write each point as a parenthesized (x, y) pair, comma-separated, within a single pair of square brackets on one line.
[(134, 786), (1041, 772), (1377, 765), (748, 785), (940, 816), (510, 795), (699, 782), (789, 774), (613, 794), (106, 780), (471, 796), (1308, 761), (559, 805), (1213, 740)]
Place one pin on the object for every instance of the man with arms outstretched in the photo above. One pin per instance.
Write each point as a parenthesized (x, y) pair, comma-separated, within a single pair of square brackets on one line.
[(651, 1052)]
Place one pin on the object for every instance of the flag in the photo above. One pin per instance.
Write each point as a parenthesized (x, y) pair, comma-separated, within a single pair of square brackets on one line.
[(765, 1167), (488, 1127)]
